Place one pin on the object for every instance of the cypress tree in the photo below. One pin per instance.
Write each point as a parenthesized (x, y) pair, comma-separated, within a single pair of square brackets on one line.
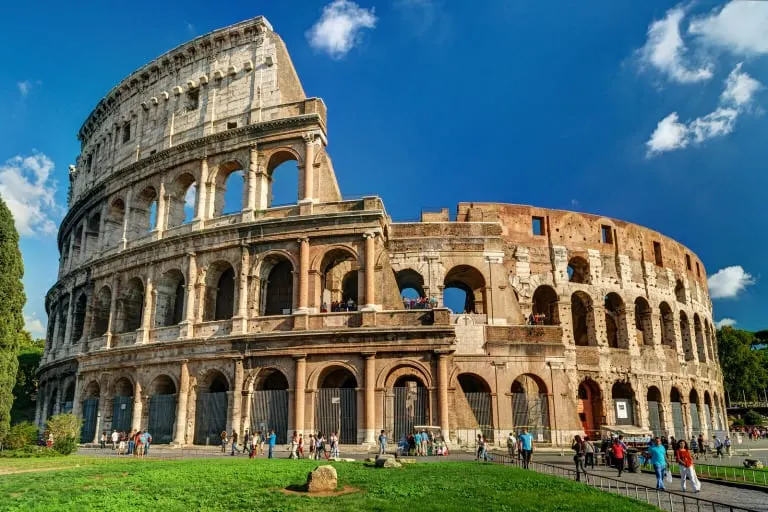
[(11, 317)]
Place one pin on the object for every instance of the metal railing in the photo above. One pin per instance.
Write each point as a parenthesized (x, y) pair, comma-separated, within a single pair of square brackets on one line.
[(663, 499), (728, 474)]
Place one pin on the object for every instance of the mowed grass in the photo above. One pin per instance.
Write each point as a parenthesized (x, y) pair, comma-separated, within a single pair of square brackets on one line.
[(242, 484)]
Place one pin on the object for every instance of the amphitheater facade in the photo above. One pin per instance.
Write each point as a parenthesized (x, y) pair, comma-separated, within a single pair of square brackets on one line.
[(176, 312)]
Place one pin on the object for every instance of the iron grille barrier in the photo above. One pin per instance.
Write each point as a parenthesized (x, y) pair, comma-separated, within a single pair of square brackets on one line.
[(210, 418), (336, 411), (162, 416), (122, 413), (410, 409), (269, 410), (90, 414)]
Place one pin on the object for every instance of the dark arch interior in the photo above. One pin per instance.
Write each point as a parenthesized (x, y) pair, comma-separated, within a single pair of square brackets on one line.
[(622, 390), (338, 378), (545, 301), (472, 383), (654, 395), (469, 282), (674, 396), (580, 308), (279, 289), (217, 383), (225, 295), (163, 385), (405, 380), (587, 388), (529, 385), (123, 387), (409, 279), (271, 380), (578, 270)]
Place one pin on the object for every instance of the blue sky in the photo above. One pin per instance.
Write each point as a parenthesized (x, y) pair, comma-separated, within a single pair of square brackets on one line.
[(651, 112)]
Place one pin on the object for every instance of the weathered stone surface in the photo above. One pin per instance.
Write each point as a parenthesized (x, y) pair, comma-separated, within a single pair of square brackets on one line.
[(322, 479), (404, 460), (387, 461)]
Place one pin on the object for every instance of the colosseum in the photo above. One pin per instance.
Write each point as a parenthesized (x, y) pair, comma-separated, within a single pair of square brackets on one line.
[(178, 313)]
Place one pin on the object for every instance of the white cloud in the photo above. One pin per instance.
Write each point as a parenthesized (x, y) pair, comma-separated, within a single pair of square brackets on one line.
[(726, 283), (340, 27), (28, 190), (24, 87), (740, 88), (665, 50), (740, 27), (34, 326), (725, 322), (669, 135)]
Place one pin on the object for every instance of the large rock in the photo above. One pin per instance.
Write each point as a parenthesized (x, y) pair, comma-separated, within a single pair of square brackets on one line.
[(322, 479), (387, 461)]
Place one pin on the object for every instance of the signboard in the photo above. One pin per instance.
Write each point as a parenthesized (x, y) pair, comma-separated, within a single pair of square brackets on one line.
[(621, 411), (335, 400), (122, 407)]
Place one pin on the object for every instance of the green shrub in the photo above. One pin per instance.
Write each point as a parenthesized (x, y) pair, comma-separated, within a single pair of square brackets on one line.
[(20, 435), (65, 429), (29, 452), (753, 418), (65, 445)]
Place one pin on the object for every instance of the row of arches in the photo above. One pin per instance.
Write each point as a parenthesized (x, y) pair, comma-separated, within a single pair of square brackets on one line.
[(463, 290), (546, 301)]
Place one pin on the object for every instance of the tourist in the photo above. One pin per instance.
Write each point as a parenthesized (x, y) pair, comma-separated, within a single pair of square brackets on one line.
[(417, 443), (618, 451), (694, 447), (424, 443), (224, 441), (234, 443), (121, 445), (718, 447), (301, 447), (658, 455), (687, 471), (131, 442), (382, 443), (589, 453), (247, 442), (138, 445), (728, 445), (115, 439), (702, 446), (334, 445), (272, 441), (294, 446), (526, 447), (103, 442), (312, 446), (482, 452), (321, 447), (146, 439), (579, 456), (511, 444)]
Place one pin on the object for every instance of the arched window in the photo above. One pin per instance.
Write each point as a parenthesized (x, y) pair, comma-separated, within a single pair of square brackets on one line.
[(616, 321), (410, 283), (182, 197), (578, 270), (113, 223), (545, 302), (590, 407), (78, 319), (101, 309), (694, 406), (283, 176), (219, 292), (464, 290), (169, 308), (583, 319), (276, 281), (701, 348), (131, 305), (477, 394), (667, 324), (685, 333), (339, 280), (643, 322), (655, 412), (143, 214), (92, 234), (229, 189), (680, 291)]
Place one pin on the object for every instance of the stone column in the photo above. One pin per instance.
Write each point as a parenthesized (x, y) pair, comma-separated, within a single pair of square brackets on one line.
[(127, 217), (249, 205), (237, 397), (138, 407), (202, 189), (186, 326), (240, 320), (112, 312), (303, 274), (150, 294), (102, 220), (101, 414), (299, 392), (71, 263), (309, 158), (84, 240), (38, 409), (370, 397), (163, 198), (442, 393), (70, 307), (181, 406), (370, 271), (77, 403)]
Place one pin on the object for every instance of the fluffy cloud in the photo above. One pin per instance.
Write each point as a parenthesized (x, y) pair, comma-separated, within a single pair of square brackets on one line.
[(24, 87), (740, 27), (737, 97), (340, 27), (28, 190), (666, 51), (726, 283), (725, 322), (34, 326)]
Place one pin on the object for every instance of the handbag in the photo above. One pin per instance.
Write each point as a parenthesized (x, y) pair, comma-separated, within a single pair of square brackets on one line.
[(667, 476)]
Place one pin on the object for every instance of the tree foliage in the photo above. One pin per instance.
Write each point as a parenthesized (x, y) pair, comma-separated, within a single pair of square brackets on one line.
[(745, 368), (65, 429), (25, 391), (11, 318)]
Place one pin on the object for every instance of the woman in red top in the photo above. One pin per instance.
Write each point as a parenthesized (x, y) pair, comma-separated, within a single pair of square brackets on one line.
[(618, 450), (687, 471)]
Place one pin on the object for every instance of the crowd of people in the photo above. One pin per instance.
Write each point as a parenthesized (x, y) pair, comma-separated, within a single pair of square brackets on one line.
[(752, 433), (537, 319), (518, 446), (135, 443), (419, 444), (339, 306), (316, 446), (419, 303)]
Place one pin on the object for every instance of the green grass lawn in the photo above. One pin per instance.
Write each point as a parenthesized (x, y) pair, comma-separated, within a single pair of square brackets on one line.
[(239, 484)]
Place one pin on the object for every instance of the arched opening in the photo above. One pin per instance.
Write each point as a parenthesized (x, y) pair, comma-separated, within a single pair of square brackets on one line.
[(685, 333), (162, 409), (623, 403), (616, 321), (578, 270), (113, 223), (283, 177), (131, 305), (143, 214), (336, 409), (709, 416), (269, 404), (583, 320), (411, 285), (655, 415), (69, 398), (667, 323), (714, 412), (643, 322), (101, 308), (219, 292), (169, 307), (211, 408), (675, 403), (78, 318), (680, 291), (710, 345), (92, 234), (62, 323), (545, 303), (181, 200), (475, 397), (693, 408), (122, 405), (701, 348), (339, 280), (90, 411), (76, 244), (276, 286), (229, 189), (590, 408), (464, 290), (411, 405), (530, 406)]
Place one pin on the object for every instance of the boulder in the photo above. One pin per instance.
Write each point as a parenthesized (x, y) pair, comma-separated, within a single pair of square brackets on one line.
[(322, 479), (403, 460), (387, 461)]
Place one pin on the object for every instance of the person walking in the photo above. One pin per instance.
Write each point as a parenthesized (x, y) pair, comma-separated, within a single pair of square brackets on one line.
[(294, 446), (526, 447), (131, 442), (115, 438), (417, 443), (320, 452), (146, 439), (687, 471), (618, 450), (301, 447), (334, 446), (103, 442), (224, 440), (728, 445), (589, 453), (579, 456), (658, 455), (234, 443), (511, 444), (312, 446), (718, 447), (382, 443), (272, 441)]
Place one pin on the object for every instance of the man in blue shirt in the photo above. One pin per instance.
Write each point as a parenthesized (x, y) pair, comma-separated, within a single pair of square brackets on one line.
[(382, 443), (146, 439), (417, 442), (658, 455), (272, 440), (526, 447)]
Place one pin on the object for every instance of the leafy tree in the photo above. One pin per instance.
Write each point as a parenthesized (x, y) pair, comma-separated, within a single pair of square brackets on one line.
[(65, 429), (752, 418), (21, 435), (25, 391), (11, 319), (744, 368)]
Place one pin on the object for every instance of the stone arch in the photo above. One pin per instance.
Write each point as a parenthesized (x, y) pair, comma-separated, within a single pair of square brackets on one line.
[(113, 223), (407, 399), (530, 405), (339, 279), (169, 306), (142, 217), (655, 411), (685, 333), (270, 379), (616, 321), (545, 302), (675, 403), (226, 176), (472, 282), (583, 319), (276, 162), (101, 307), (473, 394), (409, 279), (623, 403), (680, 291), (701, 349), (92, 227), (578, 270), (91, 397), (68, 399), (62, 321), (269, 402), (163, 384), (131, 305), (276, 284), (708, 336), (694, 406), (389, 376), (336, 403), (78, 317), (122, 396), (122, 385), (92, 390), (590, 407), (162, 408), (643, 322), (318, 374), (182, 194), (220, 287), (667, 324), (77, 238)]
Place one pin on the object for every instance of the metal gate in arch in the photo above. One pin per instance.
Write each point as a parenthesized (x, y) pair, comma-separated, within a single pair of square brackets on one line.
[(411, 409), (480, 403), (162, 417), (122, 413), (531, 411), (210, 417), (269, 410), (90, 414), (336, 411), (677, 420), (654, 418), (695, 421)]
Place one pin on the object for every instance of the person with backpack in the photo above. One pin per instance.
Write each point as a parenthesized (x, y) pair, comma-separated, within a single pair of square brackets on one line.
[(579, 456), (718, 447)]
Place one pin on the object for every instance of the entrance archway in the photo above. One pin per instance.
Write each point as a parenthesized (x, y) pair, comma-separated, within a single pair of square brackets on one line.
[(339, 283), (471, 282), (590, 407), (709, 417), (90, 412), (336, 408), (211, 408), (655, 416), (693, 408), (623, 403), (269, 404), (678, 424), (476, 396), (162, 409), (122, 405), (530, 406), (276, 286), (411, 406), (69, 398)]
